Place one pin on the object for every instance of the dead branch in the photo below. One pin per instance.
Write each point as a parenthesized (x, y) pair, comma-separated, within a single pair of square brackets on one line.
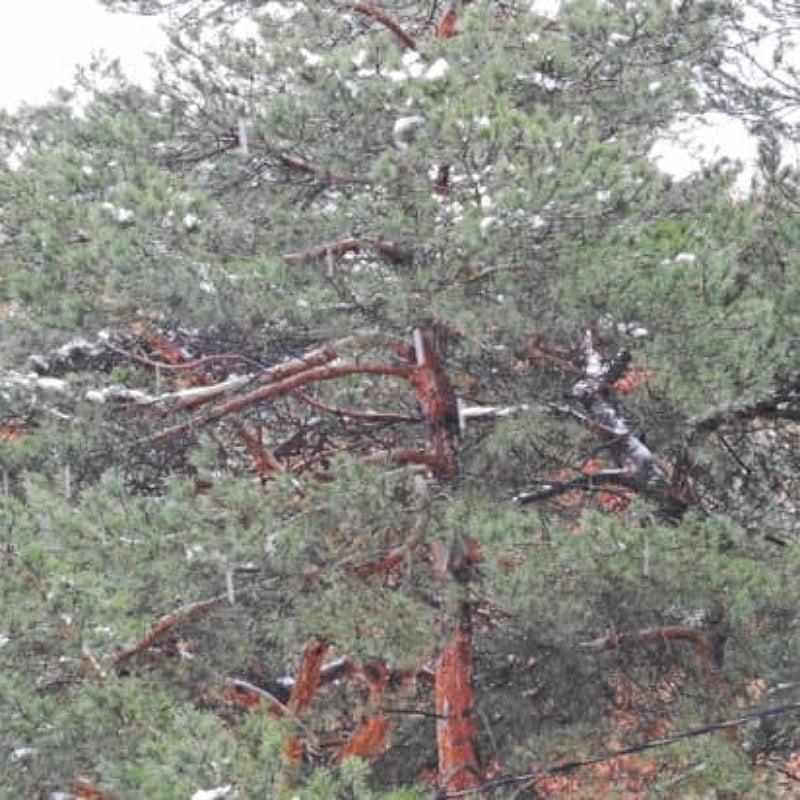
[(314, 358), (437, 464), (645, 475), (536, 353), (389, 22), (164, 625), (184, 398), (466, 413), (244, 689)]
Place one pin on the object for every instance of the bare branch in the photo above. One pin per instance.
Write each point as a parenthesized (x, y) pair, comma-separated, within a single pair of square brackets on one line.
[(164, 625), (274, 390), (389, 22)]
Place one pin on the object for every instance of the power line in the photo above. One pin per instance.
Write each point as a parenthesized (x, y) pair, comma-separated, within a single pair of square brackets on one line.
[(569, 766)]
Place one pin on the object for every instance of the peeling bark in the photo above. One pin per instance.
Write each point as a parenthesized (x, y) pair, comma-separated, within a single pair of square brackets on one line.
[(437, 400), (304, 690), (456, 727)]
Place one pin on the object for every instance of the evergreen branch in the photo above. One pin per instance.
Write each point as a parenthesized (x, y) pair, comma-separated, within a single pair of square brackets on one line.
[(664, 741), (783, 403)]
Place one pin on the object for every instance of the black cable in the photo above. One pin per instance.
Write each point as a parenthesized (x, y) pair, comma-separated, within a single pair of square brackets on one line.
[(569, 766)]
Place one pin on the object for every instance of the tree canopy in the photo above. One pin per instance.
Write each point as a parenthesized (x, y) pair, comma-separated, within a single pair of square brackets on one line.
[(377, 421)]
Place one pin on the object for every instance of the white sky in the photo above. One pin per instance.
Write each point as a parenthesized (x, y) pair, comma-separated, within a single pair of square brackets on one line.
[(41, 41)]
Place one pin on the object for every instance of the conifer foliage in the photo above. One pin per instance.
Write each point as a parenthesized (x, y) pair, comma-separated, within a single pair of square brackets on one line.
[(377, 421)]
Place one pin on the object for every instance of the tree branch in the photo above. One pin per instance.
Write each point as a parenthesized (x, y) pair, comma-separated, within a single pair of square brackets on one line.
[(392, 251), (389, 22), (164, 625), (661, 635), (274, 390), (783, 403), (368, 416)]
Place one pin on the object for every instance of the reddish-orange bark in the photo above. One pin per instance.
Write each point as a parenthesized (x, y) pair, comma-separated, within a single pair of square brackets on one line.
[(164, 625), (12, 430), (633, 380), (168, 351), (306, 685), (447, 24), (698, 639), (393, 251), (85, 790), (279, 388), (309, 675), (371, 739), (389, 22), (437, 399), (456, 728), (265, 465)]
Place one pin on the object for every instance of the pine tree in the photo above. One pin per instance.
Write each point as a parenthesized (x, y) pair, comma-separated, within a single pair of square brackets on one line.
[(368, 393)]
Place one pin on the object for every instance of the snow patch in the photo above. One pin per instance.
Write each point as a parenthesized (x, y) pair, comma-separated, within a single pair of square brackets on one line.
[(437, 70), (486, 223), (191, 222), (311, 59), (405, 130), (281, 12), (219, 793)]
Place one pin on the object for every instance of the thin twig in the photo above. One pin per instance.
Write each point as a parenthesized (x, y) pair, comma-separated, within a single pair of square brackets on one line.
[(369, 416)]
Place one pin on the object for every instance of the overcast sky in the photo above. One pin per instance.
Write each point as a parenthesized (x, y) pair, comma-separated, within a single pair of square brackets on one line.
[(41, 41)]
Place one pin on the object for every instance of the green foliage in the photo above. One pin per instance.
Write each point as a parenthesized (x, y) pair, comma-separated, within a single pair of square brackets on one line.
[(552, 220)]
